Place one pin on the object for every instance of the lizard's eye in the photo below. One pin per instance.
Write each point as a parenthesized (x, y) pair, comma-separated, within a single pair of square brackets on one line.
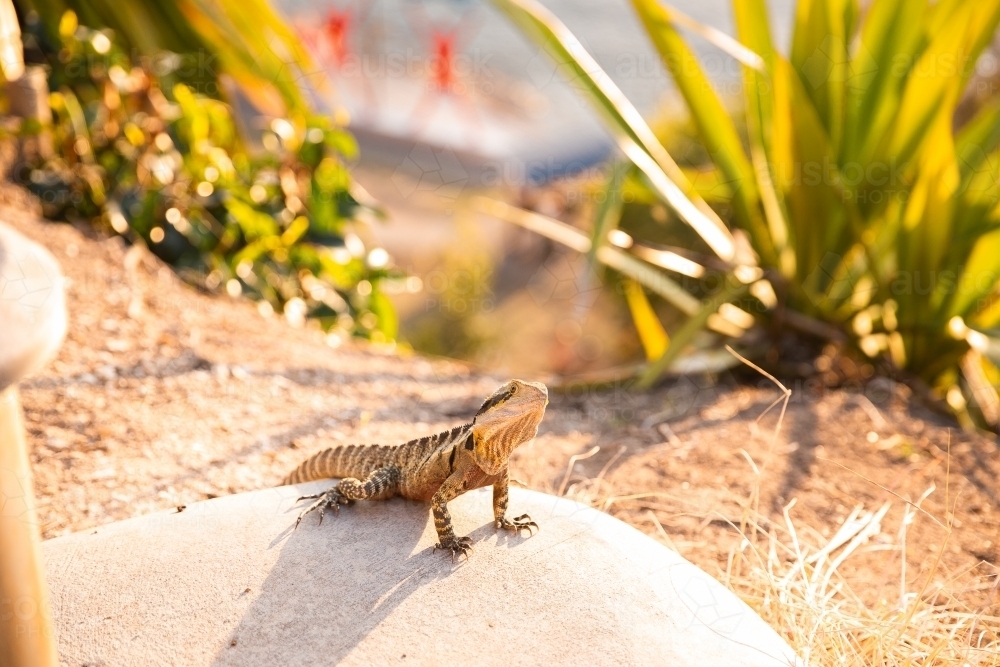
[(513, 390)]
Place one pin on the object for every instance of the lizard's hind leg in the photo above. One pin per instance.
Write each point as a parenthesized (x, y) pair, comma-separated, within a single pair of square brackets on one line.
[(381, 483)]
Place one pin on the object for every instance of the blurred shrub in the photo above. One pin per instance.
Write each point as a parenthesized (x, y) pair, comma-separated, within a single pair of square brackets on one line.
[(195, 41), (168, 166)]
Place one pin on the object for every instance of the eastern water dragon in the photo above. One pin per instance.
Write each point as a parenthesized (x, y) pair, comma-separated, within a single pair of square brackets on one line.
[(438, 467)]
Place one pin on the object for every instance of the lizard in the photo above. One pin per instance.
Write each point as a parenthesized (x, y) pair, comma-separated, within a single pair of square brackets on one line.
[(437, 468)]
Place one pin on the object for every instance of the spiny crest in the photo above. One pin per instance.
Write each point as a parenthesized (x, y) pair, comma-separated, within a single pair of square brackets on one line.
[(499, 397)]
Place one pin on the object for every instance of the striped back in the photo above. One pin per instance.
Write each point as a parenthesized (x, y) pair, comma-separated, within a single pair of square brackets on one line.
[(361, 460)]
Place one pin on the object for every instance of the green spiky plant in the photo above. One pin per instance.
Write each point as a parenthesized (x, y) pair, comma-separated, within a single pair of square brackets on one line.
[(866, 207)]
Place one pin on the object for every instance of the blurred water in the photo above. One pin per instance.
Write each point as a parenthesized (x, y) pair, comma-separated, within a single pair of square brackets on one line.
[(611, 32), (502, 98), (607, 28)]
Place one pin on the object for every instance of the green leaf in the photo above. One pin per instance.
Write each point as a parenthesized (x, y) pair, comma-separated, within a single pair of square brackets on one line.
[(343, 142), (709, 182), (937, 77), (807, 169), (255, 47), (245, 39), (254, 251), (388, 323), (634, 136), (768, 127), (651, 278), (716, 128), (890, 39), (651, 333), (978, 280), (978, 138), (254, 224), (295, 231), (820, 49), (609, 210), (732, 289)]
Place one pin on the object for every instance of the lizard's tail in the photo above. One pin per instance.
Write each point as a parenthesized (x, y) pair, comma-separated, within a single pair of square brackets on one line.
[(342, 461)]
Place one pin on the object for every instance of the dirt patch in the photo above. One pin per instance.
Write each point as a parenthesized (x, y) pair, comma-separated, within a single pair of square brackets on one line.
[(162, 396)]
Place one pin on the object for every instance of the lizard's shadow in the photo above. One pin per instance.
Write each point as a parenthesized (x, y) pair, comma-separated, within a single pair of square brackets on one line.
[(333, 583)]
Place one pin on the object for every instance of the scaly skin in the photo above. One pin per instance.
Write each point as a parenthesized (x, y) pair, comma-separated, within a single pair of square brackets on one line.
[(437, 468)]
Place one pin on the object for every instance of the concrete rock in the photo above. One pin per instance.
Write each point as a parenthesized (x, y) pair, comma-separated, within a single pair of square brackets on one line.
[(229, 582), (32, 306)]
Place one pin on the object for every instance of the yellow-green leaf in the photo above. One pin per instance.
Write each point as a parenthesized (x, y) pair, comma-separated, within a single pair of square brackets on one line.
[(651, 333), (731, 289), (715, 126)]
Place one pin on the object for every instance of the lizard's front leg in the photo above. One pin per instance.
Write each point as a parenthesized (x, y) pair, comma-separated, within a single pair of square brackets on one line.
[(452, 487), (500, 497)]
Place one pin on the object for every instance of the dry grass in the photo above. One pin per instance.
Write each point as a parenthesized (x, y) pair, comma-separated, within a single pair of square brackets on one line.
[(793, 579), (796, 579)]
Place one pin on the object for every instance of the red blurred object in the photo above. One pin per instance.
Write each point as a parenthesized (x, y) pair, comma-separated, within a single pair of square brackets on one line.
[(336, 28), (443, 61)]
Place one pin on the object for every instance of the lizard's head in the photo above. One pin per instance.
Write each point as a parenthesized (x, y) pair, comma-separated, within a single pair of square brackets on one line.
[(508, 418)]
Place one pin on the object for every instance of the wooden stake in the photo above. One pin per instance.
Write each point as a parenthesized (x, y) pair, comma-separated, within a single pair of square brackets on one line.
[(26, 635)]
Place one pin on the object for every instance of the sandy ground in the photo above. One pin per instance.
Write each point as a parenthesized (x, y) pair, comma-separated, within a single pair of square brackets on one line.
[(163, 396)]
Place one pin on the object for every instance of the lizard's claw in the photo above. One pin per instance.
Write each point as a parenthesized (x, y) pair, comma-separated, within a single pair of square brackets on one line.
[(517, 523), (456, 545), (331, 498)]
